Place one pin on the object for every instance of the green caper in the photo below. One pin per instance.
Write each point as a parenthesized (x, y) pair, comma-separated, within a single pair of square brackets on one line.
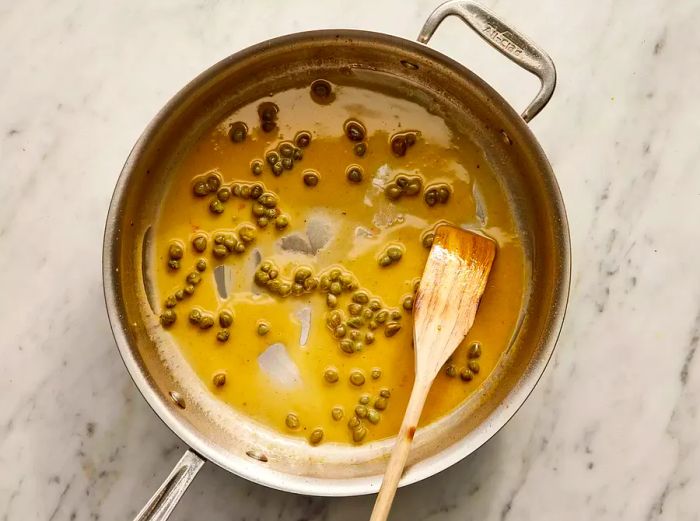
[(302, 139), (373, 416), (334, 318), (359, 434), (407, 303), (357, 378), (277, 169), (310, 284), (473, 366), (354, 173), (354, 322), (219, 379), (337, 413), (443, 194), (395, 314), (331, 375), (285, 289), (281, 221), (220, 251), (223, 335), (236, 189), (391, 329), (188, 289), (451, 370), (354, 334), (357, 347), (334, 274), (398, 145), (364, 399), (216, 206), (267, 112), (360, 149), (414, 187), (168, 318), (272, 158), (331, 300), (466, 375), (381, 316), (474, 350), (262, 222), (206, 322), (376, 373), (385, 393), (360, 297), (174, 264), (179, 294), (224, 194), (347, 346), (200, 189), (367, 314), (246, 191), (266, 266), (354, 422), (286, 149), (219, 238), (274, 286), (361, 411), (201, 265), (213, 182), (256, 190), (345, 280), (335, 288), (175, 250), (287, 163), (324, 283), (263, 328), (369, 338), (392, 191), (194, 277), (298, 154), (340, 331), (256, 167), (247, 232), (268, 200), (238, 132), (380, 403), (394, 253), (374, 305), (232, 244), (354, 130), (292, 421), (199, 243), (297, 289), (372, 325), (301, 274), (321, 91), (225, 318), (170, 301), (311, 178), (257, 210), (316, 436), (355, 309), (427, 240), (430, 197), (384, 261), (195, 316), (402, 181), (261, 278)]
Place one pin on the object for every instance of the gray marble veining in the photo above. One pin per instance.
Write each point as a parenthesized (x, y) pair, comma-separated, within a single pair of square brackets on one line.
[(612, 431)]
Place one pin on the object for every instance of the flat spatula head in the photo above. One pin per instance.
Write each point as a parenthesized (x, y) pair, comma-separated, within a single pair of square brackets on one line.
[(453, 282)]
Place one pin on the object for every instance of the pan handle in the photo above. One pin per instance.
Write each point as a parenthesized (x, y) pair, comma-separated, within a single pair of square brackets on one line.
[(509, 42), (167, 496)]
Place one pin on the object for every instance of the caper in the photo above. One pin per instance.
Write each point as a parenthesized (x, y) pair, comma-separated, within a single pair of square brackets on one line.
[(354, 334), (170, 301), (331, 375), (347, 346), (430, 197), (359, 434), (175, 250), (376, 373), (316, 436), (398, 145), (195, 316), (474, 350), (266, 266), (200, 189), (391, 329), (395, 314), (414, 187), (268, 200), (263, 328), (287, 163), (225, 318), (451, 370), (292, 421), (238, 132), (213, 182), (219, 379), (324, 283), (334, 318), (262, 222), (302, 139), (311, 178), (245, 191), (416, 285), (224, 194), (297, 289), (407, 303), (206, 322), (360, 297), (256, 167), (380, 403), (384, 261), (381, 316), (301, 274), (220, 251), (286, 149), (394, 253), (354, 322), (331, 300), (392, 191), (361, 411), (321, 91), (216, 206), (281, 221), (298, 154), (374, 305), (372, 325), (179, 294), (364, 399), (340, 331), (267, 112), (256, 190), (357, 378), (369, 338), (194, 277), (337, 413), (473, 366), (274, 286), (355, 309), (310, 284), (199, 243), (334, 274), (373, 416), (360, 149), (201, 265), (236, 189), (219, 238), (257, 210), (335, 288), (272, 157), (354, 422), (174, 264), (354, 174), (188, 289), (466, 375), (261, 278), (443, 194), (223, 335), (247, 232), (427, 240), (168, 317), (277, 169), (385, 393), (402, 181), (271, 213), (367, 314), (354, 130)]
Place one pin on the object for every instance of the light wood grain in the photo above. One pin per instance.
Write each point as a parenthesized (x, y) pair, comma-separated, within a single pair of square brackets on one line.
[(453, 282)]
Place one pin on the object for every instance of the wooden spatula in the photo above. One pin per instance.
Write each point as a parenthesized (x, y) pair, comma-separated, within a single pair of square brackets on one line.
[(453, 281)]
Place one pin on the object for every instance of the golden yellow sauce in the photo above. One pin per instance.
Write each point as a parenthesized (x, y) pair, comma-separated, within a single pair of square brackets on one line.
[(439, 155)]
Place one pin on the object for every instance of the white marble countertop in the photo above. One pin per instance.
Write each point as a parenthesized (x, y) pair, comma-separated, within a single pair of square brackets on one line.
[(613, 429)]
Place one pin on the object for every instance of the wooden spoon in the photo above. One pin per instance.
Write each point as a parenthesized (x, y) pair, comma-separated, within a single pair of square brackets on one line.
[(452, 284)]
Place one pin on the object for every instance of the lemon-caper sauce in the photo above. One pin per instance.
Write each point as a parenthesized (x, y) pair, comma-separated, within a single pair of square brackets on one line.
[(291, 243)]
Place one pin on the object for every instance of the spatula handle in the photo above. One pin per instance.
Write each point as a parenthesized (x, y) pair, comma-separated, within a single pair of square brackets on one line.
[(399, 454)]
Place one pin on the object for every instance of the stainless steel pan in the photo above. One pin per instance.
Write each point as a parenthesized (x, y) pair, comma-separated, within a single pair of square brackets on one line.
[(407, 69)]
